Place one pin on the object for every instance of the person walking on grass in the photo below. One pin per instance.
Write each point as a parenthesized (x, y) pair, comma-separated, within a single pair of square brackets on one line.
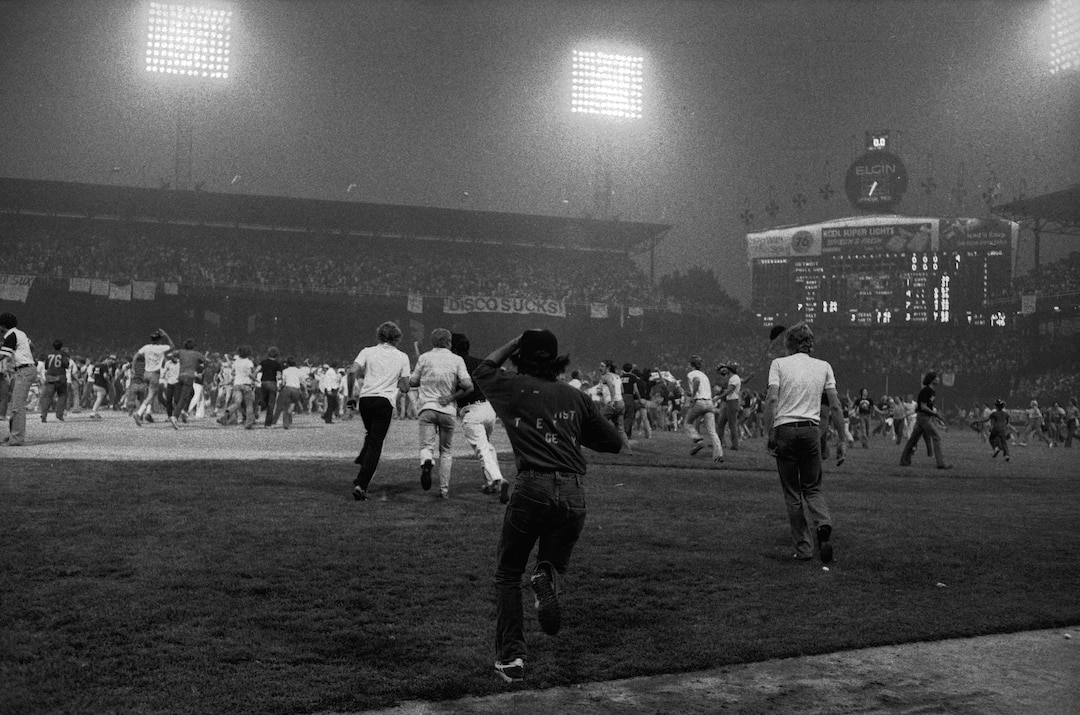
[(440, 378), (547, 422), (926, 415), (793, 411), (998, 420), (384, 370), (17, 360)]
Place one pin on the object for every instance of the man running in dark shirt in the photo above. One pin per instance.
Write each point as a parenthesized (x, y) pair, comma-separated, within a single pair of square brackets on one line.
[(547, 422)]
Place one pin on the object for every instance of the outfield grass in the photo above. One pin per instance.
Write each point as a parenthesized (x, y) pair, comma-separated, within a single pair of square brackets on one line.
[(262, 587)]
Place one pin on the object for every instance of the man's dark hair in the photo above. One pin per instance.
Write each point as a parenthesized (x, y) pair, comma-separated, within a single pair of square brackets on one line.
[(545, 370), (929, 377), (8, 321), (459, 344), (57, 344), (189, 344)]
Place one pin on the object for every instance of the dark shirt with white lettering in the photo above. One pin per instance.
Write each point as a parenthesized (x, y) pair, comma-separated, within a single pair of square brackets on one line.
[(547, 422), (56, 366)]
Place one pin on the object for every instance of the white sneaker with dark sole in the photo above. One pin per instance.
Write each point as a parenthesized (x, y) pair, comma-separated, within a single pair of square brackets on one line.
[(512, 671)]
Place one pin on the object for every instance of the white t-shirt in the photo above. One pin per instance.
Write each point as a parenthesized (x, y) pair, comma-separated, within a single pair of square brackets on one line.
[(800, 380), (291, 377), (243, 371), (704, 387), (383, 365), (735, 383), (440, 372), (154, 354)]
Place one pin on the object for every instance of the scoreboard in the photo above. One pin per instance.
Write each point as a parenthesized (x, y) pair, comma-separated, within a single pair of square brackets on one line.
[(884, 269)]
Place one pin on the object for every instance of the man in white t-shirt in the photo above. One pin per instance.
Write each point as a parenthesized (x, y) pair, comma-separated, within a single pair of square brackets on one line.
[(243, 388), (730, 397), (290, 398), (154, 353), (701, 413), (385, 372), (440, 377), (792, 415)]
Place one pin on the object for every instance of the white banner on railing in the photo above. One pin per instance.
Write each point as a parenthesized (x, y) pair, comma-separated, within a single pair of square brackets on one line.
[(15, 287), (495, 304)]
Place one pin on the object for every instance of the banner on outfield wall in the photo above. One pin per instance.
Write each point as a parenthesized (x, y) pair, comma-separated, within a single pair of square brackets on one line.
[(15, 287), (119, 292), (495, 304), (883, 234), (415, 303)]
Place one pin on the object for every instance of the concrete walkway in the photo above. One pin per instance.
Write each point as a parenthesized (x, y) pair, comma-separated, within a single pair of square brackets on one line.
[(1035, 673)]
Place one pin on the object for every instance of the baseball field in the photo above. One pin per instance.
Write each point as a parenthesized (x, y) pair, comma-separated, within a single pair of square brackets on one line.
[(215, 569)]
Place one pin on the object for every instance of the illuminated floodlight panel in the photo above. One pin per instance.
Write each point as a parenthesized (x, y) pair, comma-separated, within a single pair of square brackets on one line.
[(1064, 36), (607, 84), (189, 40)]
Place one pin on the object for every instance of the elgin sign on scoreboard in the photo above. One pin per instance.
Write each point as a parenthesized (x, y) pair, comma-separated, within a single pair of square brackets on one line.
[(883, 269)]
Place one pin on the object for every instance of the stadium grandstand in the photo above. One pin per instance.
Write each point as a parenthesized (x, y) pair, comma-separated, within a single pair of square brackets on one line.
[(101, 266)]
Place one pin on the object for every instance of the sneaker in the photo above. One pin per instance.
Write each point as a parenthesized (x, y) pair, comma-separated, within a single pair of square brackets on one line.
[(512, 671), (944, 466), (44, 419), (504, 492), (1006, 458), (149, 418), (489, 488), (824, 533), (425, 474), (359, 494), (699, 444), (995, 454), (444, 495), (718, 459), (183, 417), (172, 421), (840, 460), (547, 601)]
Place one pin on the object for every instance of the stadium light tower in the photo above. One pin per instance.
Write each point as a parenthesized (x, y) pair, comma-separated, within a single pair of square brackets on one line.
[(607, 84), (1064, 36), (609, 87), (189, 45)]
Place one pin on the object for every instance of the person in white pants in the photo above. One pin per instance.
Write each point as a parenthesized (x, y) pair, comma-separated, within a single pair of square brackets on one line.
[(702, 413), (477, 422)]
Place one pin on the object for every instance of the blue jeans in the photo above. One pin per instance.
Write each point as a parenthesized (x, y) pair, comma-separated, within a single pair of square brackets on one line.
[(545, 506), (798, 460), (436, 442)]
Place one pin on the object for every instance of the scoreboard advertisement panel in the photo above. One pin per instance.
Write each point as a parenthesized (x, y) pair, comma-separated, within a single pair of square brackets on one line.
[(883, 269)]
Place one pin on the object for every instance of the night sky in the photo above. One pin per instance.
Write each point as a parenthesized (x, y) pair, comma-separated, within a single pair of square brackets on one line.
[(466, 105)]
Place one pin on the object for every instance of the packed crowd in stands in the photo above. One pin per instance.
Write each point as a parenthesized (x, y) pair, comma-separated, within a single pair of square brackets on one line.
[(1059, 277), (267, 260), (285, 261)]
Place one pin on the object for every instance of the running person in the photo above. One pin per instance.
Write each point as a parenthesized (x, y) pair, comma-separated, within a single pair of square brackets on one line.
[(701, 412), (385, 372), (154, 354), (547, 422)]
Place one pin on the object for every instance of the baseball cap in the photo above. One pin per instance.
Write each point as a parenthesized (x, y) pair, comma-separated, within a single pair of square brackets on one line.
[(538, 345), (155, 335)]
